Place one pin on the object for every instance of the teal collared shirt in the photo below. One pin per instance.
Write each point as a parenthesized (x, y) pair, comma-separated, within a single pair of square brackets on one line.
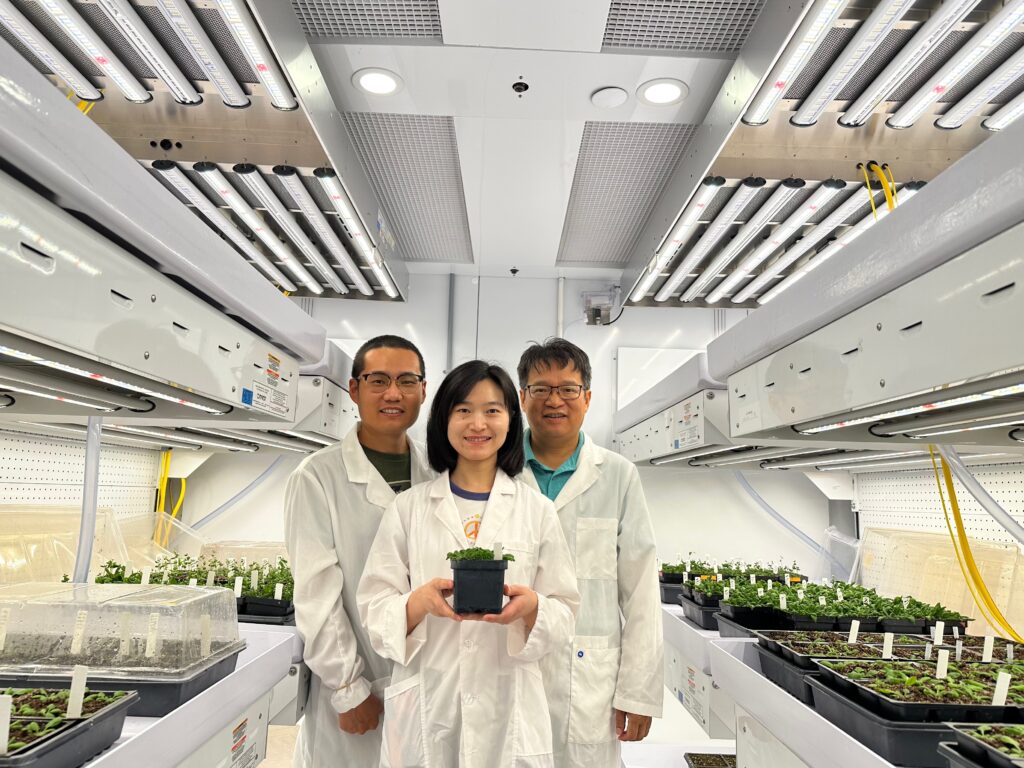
[(551, 481)]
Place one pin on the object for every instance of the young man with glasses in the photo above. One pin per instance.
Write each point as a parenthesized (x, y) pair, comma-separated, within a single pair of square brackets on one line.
[(615, 660), (333, 506)]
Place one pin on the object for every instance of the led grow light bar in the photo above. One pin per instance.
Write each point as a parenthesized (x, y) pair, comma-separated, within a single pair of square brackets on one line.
[(816, 24), (311, 437), (778, 236), (120, 439), (247, 35), (22, 375), (252, 220), (692, 454), (841, 242), (253, 179), (756, 455), (977, 417), (293, 183), (863, 45), (909, 461), (715, 232), (200, 440), (1006, 115), (831, 459), (44, 50), (339, 198), (943, 20), (148, 47), (981, 44), (260, 439), (215, 216), (67, 18), (179, 15), (984, 92), (8, 385), (681, 232), (778, 200)]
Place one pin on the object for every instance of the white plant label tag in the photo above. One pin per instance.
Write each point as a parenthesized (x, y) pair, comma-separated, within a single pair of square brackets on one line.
[(696, 580), (210, 576), (959, 649), (686, 576), (732, 583), (987, 648), (125, 644), (6, 702), (151, 635), (760, 591), (688, 568), (726, 595), (839, 595), (77, 695), (5, 617), (927, 651), (906, 602), (163, 577), (147, 574), (940, 632), (753, 579), (193, 582), (801, 593), (782, 601), (789, 579), (238, 586), (1009, 651), (821, 600), (204, 623), (245, 562), (78, 635), (254, 580), (864, 601), (279, 591), (942, 668), (887, 645), (956, 631), (499, 551), (1002, 689), (854, 631), (718, 577), (771, 585)]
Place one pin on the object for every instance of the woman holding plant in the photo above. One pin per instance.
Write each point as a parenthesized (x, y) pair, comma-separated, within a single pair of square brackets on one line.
[(466, 689)]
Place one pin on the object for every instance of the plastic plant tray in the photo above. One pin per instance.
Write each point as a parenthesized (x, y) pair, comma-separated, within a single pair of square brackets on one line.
[(708, 601), (703, 760), (670, 578), (844, 623), (786, 675), (978, 751), (699, 615), (903, 626), (282, 621), (729, 628), (670, 593), (800, 622), (921, 712), (753, 618), (901, 743), (955, 758), (77, 742), (267, 606)]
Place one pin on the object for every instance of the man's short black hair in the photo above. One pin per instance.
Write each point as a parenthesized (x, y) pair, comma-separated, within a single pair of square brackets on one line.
[(554, 352), (384, 342), (454, 390)]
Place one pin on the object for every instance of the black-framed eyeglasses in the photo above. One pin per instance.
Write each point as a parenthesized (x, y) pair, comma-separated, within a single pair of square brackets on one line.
[(565, 391), (378, 381)]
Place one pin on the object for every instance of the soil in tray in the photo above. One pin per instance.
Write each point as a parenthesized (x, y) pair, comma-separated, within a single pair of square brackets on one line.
[(103, 653), (694, 760), (808, 636), (53, 702), (25, 734), (1006, 740), (859, 651)]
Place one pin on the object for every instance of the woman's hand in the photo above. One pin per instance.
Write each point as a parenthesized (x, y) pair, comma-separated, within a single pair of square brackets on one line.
[(522, 604), (429, 600)]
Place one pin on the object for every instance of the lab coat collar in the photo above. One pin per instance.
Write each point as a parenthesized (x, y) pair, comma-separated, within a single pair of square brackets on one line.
[(499, 507), (361, 472), (587, 473)]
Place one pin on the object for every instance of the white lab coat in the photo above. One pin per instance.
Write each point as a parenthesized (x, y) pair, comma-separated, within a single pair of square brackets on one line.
[(333, 505), (616, 658), (469, 694)]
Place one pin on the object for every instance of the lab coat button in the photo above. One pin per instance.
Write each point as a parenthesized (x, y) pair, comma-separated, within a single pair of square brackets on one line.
[(469, 643), (579, 654)]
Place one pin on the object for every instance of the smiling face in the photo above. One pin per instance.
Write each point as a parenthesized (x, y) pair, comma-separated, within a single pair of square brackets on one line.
[(478, 426), (389, 413), (554, 419)]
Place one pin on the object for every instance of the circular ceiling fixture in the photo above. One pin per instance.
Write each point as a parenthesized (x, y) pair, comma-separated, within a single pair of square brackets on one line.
[(380, 82), (662, 92), (609, 98)]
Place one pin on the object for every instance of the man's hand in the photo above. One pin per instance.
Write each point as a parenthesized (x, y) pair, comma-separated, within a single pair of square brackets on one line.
[(522, 604), (361, 719), (629, 727)]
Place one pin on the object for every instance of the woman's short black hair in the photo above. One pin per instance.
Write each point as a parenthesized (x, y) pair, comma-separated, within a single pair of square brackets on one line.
[(454, 390)]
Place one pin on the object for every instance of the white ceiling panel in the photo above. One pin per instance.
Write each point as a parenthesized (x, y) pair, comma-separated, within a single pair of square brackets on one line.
[(568, 25)]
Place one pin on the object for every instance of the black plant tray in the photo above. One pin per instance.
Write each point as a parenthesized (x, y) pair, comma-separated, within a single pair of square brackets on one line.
[(729, 628), (903, 626), (670, 593), (78, 741), (910, 711), (288, 620), (786, 675), (949, 626), (979, 752), (670, 578), (866, 625), (955, 757), (909, 744), (754, 618), (699, 615), (687, 590), (267, 606), (798, 621), (703, 760), (708, 601), (156, 697)]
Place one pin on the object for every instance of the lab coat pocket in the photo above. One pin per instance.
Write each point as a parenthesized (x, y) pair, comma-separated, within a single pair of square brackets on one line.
[(402, 740), (596, 541), (595, 669), (521, 570)]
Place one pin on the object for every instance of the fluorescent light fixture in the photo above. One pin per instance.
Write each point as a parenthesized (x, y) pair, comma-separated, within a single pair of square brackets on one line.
[(778, 236), (983, 416), (984, 92), (755, 455), (27, 376), (1006, 115), (662, 92), (216, 217), (812, 30), (44, 50), (49, 394), (292, 181), (693, 453), (67, 18), (861, 48), (909, 461), (80, 431), (250, 40), (942, 21), (260, 438), (981, 44), (253, 179), (182, 437), (743, 194), (211, 173), (331, 183), (778, 200), (311, 437), (831, 459), (840, 242), (179, 15), (379, 82), (680, 233), (149, 48), (957, 430)]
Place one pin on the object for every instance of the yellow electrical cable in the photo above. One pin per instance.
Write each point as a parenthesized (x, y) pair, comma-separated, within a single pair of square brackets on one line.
[(892, 181), (867, 183), (161, 494), (876, 169), (174, 513)]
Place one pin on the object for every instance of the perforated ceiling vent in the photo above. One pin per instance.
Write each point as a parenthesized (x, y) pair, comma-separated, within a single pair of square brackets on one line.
[(369, 18), (413, 163), (620, 172), (681, 25)]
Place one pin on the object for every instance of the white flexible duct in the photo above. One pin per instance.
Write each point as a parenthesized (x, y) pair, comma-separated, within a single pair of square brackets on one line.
[(977, 490)]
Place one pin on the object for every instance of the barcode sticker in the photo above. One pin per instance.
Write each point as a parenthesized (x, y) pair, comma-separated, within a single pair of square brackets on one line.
[(821, 600), (782, 601)]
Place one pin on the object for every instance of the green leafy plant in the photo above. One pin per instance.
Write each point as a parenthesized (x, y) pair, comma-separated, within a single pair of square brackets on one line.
[(915, 681), (1006, 739), (181, 569), (475, 553)]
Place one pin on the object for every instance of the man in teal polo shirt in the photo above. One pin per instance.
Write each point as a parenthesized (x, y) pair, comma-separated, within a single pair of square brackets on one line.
[(615, 659)]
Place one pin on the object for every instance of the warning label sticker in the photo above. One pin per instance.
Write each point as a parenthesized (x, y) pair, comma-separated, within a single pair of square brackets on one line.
[(266, 399), (273, 370)]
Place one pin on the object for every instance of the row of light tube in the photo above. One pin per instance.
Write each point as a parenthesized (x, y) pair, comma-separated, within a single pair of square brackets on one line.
[(986, 416), (10, 374), (259, 438), (778, 200), (833, 458), (983, 93), (118, 439), (9, 385), (756, 455), (692, 454), (842, 241), (908, 461), (182, 437)]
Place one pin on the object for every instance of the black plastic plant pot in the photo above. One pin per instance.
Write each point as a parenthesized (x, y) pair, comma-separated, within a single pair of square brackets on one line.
[(478, 585), (268, 606), (753, 618), (703, 617), (787, 676), (980, 753), (956, 758), (671, 578), (670, 593), (904, 626), (687, 590), (240, 605), (866, 625)]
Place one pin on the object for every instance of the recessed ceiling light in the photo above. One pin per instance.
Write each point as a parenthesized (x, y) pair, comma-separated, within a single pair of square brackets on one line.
[(662, 92), (380, 82), (609, 98)]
